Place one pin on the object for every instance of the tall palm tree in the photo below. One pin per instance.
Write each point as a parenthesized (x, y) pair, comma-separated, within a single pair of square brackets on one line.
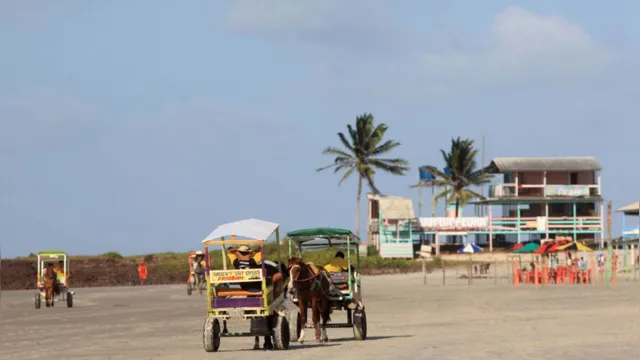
[(360, 155), (463, 173)]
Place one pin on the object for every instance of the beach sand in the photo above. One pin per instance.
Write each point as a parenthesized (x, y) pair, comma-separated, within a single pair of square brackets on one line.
[(407, 320)]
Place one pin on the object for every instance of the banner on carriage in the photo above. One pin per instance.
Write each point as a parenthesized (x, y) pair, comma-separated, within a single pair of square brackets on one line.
[(223, 276)]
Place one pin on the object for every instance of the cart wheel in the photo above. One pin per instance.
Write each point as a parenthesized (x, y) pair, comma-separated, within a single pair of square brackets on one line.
[(38, 300), (360, 325), (189, 289), (281, 334), (69, 299), (211, 335)]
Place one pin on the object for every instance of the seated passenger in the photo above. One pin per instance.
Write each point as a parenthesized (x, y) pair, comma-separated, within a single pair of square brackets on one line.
[(60, 270), (198, 270), (245, 258), (60, 276), (242, 258), (339, 264)]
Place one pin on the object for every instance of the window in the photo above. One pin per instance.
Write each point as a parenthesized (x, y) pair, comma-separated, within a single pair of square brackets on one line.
[(573, 178)]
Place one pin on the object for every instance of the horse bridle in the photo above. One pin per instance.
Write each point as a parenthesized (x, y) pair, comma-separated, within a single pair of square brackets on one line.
[(295, 280)]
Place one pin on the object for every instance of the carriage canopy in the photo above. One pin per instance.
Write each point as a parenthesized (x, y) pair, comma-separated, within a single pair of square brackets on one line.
[(320, 232), (251, 228)]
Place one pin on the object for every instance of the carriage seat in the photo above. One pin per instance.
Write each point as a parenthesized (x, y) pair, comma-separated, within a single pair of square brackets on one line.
[(226, 292), (340, 280)]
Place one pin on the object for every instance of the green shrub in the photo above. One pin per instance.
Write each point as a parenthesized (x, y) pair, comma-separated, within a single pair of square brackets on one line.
[(112, 255)]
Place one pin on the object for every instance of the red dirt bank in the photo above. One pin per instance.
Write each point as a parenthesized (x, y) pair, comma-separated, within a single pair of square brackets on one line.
[(21, 274)]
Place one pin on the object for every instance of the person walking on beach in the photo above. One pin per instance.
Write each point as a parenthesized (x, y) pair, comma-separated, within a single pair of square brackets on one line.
[(142, 272)]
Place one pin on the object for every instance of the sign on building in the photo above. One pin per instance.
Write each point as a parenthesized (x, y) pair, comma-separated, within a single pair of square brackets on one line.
[(453, 223), (568, 190)]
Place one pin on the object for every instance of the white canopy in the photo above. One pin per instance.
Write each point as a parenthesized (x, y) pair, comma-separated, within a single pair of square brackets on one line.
[(250, 228)]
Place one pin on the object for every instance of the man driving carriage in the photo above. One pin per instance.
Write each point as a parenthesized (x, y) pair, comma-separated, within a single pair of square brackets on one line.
[(245, 258), (339, 264), (60, 277), (198, 270)]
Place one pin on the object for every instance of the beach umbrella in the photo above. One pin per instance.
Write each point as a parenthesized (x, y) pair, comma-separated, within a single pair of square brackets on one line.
[(529, 248), (575, 246), (517, 246), (469, 249), (553, 247), (543, 248)]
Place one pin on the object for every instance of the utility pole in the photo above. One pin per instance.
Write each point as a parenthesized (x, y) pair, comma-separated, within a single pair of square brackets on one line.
[(609, 245)]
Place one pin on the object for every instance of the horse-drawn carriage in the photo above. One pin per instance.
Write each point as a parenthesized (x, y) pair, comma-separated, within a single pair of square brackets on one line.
[(346, 293), (196, 280), (253, 290), (53, 280)]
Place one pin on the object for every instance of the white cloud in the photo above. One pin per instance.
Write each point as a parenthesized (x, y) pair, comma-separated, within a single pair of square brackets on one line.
[(519, 48), (355, 24), (523, 44)]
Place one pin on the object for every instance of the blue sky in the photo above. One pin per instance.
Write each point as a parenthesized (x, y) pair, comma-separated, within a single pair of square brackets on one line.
[(140, 126)]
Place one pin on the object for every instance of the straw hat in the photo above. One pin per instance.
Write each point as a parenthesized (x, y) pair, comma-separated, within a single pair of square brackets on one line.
[(243, 248)]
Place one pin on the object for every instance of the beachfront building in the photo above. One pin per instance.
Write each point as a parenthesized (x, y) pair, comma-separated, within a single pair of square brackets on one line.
[(629, 242), (630, 221), (537, 199)]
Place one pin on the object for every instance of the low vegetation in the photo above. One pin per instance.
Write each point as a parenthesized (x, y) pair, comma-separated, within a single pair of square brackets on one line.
[(114, 269)]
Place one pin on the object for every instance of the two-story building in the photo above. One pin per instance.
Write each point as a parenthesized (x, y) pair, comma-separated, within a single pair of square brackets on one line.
[(630, 221), (546, 198), (538, 198)]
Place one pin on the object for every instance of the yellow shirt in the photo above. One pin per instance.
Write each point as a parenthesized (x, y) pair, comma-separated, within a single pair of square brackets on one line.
[(337, 265), (59, 273), (257, 257)]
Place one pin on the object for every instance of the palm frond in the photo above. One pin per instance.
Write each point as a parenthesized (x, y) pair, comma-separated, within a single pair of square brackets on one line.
[(385, 147), (393, 166), (336, 151), (346, 175)]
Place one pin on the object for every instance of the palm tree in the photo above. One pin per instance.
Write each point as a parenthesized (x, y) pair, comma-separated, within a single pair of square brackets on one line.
[(360, 155), (462, 174)]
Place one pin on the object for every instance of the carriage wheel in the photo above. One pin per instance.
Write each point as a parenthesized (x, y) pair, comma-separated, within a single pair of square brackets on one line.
[(38, 300), (189, 289), (281, 333), (69, 299), (211, 335), (360, 325)]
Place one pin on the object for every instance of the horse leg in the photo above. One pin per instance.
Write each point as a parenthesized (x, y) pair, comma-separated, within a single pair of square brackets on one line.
[(268, 345), (315, 317), (326, 308), (302, 306), (48, 296)]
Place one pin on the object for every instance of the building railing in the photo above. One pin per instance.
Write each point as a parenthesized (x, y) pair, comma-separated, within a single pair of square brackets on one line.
[(406, 231), (631, 231), (541, 223), (509, 190)]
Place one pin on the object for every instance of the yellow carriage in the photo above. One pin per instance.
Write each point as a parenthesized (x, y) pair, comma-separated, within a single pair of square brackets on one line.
[(254, 293)]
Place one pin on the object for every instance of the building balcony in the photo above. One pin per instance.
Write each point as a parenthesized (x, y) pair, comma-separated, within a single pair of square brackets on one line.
[(502, 191), (584, 224), (631, 232), (406, 231)]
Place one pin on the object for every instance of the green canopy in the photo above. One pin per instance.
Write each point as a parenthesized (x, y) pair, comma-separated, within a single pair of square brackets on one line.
[(529, 248), (320, 232), (52, 252)]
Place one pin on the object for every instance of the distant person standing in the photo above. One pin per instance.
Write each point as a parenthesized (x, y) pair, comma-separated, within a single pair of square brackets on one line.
[(142, 272)]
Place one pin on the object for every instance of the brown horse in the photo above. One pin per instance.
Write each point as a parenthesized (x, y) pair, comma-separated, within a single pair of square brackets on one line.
[(313, 288), (49, 284)]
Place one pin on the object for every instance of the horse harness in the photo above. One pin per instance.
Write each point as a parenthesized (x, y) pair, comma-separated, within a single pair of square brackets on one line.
[(316, 279)]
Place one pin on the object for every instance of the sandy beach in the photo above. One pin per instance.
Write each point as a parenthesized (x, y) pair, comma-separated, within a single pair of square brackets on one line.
[(407, 320)]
